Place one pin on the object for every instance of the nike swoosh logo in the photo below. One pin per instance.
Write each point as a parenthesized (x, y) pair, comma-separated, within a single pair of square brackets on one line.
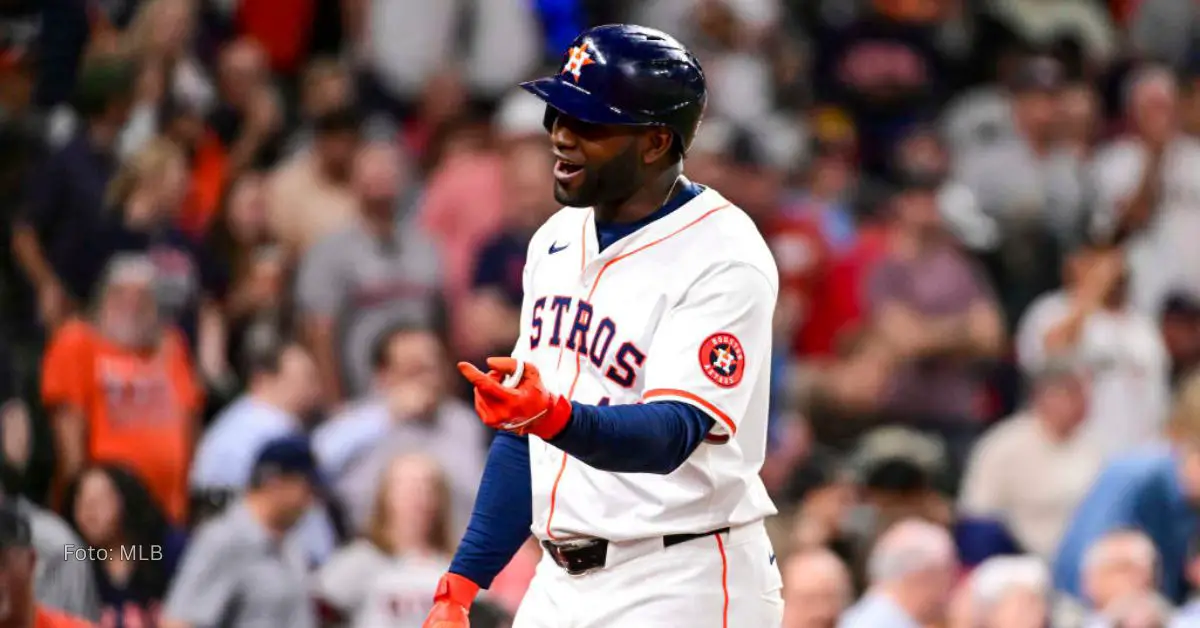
[(554, 248), (772, 559)]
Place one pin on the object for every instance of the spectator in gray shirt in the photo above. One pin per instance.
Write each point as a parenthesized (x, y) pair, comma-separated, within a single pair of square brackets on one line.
[(242, 569), (62, 585), (356, 283), (409, 410)]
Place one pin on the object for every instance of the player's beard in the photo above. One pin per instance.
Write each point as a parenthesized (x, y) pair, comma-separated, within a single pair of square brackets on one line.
[(609, 183)]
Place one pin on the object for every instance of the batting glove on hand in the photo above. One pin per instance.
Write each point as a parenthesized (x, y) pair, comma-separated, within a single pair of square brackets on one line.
[(511, 397), (452, 603)]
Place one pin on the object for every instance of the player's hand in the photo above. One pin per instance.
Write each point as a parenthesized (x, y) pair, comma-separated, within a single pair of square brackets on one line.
[(521, 407), (452, 603)]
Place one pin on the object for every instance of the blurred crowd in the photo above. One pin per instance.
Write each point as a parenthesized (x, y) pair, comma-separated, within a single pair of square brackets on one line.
[(248, 239)]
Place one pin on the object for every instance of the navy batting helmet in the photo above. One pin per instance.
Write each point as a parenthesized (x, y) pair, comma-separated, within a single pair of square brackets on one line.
[(627, 75)]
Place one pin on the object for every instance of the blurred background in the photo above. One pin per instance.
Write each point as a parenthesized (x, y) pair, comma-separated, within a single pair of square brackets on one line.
[(248, 239)]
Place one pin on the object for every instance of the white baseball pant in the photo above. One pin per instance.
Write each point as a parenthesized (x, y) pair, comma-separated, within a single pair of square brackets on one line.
[(729, 580)]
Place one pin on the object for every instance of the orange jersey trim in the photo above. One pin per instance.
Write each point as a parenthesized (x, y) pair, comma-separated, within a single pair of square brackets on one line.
[(715, 411)]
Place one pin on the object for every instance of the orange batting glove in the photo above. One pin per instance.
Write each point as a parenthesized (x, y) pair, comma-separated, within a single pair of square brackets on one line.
[(523, 407), (452, 603)]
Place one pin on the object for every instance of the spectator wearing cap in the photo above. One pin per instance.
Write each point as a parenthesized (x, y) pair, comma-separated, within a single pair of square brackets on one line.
[(1147, 194), (284, 390), (816, 589), (1030, 184), (1180, 327), (408, 409), (1090, 323), (66, 586), (18, 560), (243, 569), (1154, 491), (311, 196), (121, 380), (911, 570), (378, 271), (1027, 474), (54, 239), (936, 317), (1010, 592)]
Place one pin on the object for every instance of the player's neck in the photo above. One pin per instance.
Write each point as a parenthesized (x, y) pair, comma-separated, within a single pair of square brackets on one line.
[(645, 201)]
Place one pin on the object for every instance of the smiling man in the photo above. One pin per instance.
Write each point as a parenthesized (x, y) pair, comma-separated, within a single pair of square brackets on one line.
[(632, 413)]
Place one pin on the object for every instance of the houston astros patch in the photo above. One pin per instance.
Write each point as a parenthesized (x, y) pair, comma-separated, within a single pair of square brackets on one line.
[(722, 359)]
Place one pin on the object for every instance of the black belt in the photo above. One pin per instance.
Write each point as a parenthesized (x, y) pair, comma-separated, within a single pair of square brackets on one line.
[(581, 556)]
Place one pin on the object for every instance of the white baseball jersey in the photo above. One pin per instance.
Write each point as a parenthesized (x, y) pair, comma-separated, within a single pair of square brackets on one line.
[(679, 310)]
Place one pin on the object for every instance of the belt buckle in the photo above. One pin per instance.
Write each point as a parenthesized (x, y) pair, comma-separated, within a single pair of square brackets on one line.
[(561, 554)]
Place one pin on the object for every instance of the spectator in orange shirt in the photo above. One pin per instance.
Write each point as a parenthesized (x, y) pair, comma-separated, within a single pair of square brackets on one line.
[(121, 388), (17, 561)]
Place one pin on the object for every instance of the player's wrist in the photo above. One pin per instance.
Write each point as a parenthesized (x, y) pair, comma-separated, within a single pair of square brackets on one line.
[(456, 589), (556, 419)]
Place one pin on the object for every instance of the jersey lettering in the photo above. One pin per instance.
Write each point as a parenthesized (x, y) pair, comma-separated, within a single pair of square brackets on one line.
[(560, 304), (579, 329), (536, 337), (624, 373), (593, 342)]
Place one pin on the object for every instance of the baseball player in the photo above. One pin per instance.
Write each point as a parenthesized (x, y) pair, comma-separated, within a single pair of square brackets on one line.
[(632, 412)]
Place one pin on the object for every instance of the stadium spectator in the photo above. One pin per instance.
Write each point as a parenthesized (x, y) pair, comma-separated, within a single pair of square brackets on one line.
[(243, 128), (409, 410), (63, 585), (1147, 194), (327, 86), (1121, 565), (113, 512), (17, 578), (54, 238), (379, 271), (1030, 184), (1028, 473), (937, 318), (1151, 491), (1090, 323), (120, 381), (283, 389), (911, 571), (311, 195), (242, 569), (388, 578), (1010, 592), (255, 304), (816, 590), (145, 197)]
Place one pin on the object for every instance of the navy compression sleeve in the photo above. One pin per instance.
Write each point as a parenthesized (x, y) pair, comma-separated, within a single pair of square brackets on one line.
[(503, 512), (638, 438)]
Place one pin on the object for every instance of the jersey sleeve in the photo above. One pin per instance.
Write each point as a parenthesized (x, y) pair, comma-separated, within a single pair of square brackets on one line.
[(713, 346)]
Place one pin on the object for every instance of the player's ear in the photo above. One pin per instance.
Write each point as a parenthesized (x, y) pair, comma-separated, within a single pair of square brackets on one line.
[(658, 143)]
